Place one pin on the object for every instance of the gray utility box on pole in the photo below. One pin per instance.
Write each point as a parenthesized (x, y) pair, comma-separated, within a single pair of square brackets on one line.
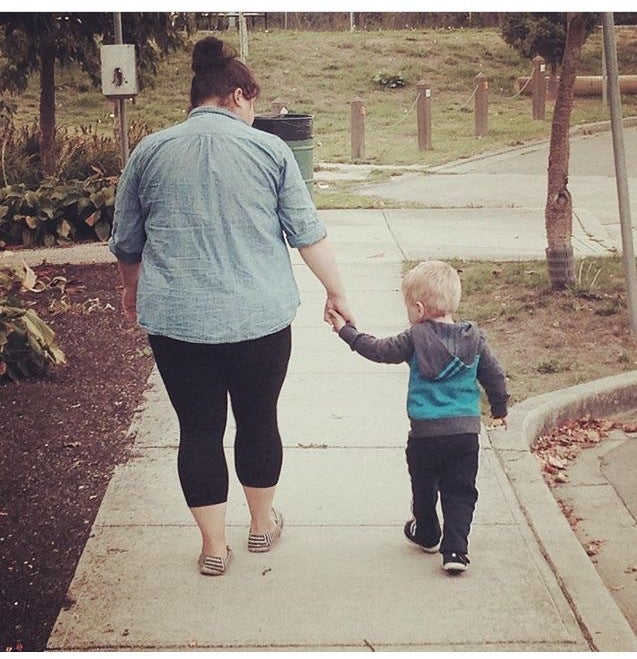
[(119, 74)]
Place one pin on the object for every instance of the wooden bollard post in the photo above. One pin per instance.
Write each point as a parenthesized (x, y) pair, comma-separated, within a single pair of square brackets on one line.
[(539, 87), (481, 105), (358, 128), (278, 105), (423, 113)]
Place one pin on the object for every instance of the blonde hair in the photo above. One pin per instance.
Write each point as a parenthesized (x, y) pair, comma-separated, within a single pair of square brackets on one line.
[(436, 285)]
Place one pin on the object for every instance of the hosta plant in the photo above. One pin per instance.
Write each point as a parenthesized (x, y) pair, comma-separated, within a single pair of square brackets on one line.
[(27, 343)]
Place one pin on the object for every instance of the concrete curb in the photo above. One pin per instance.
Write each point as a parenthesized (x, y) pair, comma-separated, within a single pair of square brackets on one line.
[(78, 253), (575, 131), (600, 618), (601, 126)]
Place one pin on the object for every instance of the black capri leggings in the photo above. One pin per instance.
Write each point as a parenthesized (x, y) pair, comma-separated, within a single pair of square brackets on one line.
[(198, 378)]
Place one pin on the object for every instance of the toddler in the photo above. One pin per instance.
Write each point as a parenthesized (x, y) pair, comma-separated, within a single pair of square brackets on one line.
[(447, 359)]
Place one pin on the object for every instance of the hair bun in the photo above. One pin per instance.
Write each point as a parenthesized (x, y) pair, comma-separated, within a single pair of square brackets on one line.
[(209, 53)]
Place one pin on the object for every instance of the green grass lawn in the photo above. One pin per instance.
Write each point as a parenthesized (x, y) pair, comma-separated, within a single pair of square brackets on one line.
[(319, 73)]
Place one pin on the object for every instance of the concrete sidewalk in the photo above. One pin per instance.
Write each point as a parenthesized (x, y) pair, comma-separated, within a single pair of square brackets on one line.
[(411, 233), (342, 577)]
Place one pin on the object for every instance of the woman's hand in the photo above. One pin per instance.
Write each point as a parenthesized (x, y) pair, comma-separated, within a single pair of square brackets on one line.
[(129, 302), (338, 304), (129, 274)]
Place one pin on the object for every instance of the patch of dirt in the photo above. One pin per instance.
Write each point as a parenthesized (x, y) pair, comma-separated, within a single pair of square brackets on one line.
[(61, 436)]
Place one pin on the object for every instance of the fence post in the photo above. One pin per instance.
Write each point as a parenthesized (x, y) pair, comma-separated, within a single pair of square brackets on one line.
[(423, 111), (358, 128), (481, 105), (539, 87)]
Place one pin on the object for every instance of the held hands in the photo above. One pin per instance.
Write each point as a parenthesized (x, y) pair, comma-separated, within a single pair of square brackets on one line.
[(337, 313), (336, 320)]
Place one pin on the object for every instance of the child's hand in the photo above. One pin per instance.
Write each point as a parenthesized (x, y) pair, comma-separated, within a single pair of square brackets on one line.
[(337, 321), (500, 422)]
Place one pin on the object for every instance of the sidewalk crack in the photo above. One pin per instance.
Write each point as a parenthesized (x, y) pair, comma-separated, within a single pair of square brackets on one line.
[(393, 235)]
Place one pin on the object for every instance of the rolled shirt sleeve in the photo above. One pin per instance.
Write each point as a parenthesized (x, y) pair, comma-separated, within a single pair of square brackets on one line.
[(300, 221), (128, 235)]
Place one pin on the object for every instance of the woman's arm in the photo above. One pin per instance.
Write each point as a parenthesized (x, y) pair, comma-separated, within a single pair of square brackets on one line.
[(129, 274), (320, 259)]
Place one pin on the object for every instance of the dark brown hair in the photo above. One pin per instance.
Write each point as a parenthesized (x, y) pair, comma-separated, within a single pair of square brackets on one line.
[(218, 72)]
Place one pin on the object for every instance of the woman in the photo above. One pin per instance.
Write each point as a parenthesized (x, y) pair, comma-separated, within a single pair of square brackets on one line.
[(203, 212)]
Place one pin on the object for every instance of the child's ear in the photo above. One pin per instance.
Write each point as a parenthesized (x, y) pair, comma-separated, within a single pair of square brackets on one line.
[(420, 310)]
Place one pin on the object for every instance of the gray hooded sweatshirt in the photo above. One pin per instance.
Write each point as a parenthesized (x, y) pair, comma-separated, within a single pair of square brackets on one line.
[(446, 361)]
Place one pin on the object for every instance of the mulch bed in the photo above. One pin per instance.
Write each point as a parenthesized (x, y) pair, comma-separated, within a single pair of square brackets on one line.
[(61, 436)]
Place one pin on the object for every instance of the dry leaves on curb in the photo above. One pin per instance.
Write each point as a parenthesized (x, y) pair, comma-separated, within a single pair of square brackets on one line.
[(569, 513), (559, 447)]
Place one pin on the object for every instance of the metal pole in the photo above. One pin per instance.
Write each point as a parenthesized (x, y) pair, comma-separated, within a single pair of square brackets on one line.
[(628, 250), (243, 37), (121, 102), (604, 72)]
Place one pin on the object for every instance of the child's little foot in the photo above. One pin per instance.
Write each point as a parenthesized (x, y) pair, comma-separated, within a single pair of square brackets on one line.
[(410, 534), (454, 562)]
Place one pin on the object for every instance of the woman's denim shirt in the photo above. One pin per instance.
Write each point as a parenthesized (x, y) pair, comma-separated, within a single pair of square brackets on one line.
[(207, 207)]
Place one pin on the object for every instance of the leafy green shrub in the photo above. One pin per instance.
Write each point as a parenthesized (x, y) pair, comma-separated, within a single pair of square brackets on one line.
[(389, 79), (57, 212), (74, 205), (27, 343)]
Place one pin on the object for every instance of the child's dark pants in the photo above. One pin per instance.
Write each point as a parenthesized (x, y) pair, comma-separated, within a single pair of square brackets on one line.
[(448, 465)]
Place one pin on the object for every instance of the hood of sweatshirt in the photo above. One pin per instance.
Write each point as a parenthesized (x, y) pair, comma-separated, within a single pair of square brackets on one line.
[(439, 345)]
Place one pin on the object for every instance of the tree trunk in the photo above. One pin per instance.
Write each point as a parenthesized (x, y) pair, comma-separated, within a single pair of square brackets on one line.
[(559, 207), (551, 87), (47, 108)]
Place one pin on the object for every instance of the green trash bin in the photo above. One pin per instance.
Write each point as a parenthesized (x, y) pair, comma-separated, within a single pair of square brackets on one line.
[(296, 131)]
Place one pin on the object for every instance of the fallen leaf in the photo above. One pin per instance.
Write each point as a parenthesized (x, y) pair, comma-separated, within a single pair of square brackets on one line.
[(556, 462), (593, 547), (29, 279)]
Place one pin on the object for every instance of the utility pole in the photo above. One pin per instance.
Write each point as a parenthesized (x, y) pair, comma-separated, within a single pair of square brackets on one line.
[(621, 176), (121, 102)]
